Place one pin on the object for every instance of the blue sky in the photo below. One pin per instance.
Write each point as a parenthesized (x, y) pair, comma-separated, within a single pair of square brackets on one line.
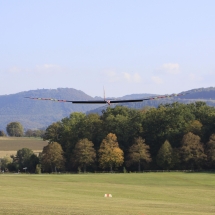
[(128, 47)]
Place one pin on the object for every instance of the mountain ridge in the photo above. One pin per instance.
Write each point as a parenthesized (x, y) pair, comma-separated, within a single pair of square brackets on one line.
[(39, 114)]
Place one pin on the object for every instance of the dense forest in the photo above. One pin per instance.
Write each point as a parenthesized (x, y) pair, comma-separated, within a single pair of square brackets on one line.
[(171, 136)]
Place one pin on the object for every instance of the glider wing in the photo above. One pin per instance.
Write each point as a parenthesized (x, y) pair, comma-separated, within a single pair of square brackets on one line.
[(108, 101)]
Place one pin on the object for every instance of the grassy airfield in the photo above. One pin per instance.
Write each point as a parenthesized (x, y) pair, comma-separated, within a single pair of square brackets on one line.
[(139, 194)]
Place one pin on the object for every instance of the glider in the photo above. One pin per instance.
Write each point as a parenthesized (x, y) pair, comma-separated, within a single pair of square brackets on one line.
[(109, 101)]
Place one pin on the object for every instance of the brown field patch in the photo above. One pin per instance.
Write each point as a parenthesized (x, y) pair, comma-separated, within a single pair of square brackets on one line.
[(11, 144), (9, 153)]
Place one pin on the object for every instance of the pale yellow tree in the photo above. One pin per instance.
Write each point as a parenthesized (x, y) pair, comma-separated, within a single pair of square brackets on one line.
[(110, 155)]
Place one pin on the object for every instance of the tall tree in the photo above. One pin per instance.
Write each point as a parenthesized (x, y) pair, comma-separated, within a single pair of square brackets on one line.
[(2, 133), (110, 154), (15, 129), (210, 151), (139, 153), (206, 116), (33, 162), (164, 157), (118, 120), (167, 122), (192, 151), (54, 132), (5, 161), (52, 157), (23, 157), (84, 154)]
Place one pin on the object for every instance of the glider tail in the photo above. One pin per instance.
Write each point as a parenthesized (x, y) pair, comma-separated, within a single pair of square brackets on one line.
[(104, 93)]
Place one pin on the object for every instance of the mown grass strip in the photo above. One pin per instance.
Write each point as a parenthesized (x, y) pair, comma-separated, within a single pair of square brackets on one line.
[(147, 193)]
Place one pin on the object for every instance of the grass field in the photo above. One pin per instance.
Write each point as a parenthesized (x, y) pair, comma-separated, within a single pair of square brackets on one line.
[(10, 145), (138, 194)]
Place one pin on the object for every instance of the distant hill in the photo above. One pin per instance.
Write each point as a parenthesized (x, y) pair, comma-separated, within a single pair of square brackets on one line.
[(202, 94), (35, 114)]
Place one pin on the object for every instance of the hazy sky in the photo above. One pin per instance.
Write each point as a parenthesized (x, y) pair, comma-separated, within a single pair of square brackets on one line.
[(127, 46)]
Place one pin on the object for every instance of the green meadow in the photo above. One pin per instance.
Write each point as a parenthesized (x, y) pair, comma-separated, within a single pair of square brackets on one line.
[(133, 193)]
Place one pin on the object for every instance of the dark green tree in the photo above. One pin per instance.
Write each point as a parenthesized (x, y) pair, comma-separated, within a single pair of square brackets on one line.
[(34, 133), (164, 157), (54, 132), (125, 122), (169, 121), (29, 133), (2, 133), (33, 162), (23, 157), (206, 116), (15, 129)]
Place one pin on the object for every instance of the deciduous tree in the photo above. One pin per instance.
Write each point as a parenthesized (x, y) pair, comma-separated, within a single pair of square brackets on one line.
[(164, 157), (54, 132), (118, 120), (2, 133), (15, 129), (5, 161), (195, 127), (192, 151), (139, 153), (52, 157), (84, 154), (33, 162), (110, 154), (210, 151), (23, 157)]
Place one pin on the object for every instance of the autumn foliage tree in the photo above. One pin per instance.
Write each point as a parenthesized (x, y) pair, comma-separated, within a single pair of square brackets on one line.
[(166, 122), (139, 153), (192, 151), (110, 155), (210, 151), (84, 154), (52, 157), (195, 127)]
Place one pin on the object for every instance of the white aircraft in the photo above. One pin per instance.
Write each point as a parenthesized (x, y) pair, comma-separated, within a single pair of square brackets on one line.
[(109, 101)]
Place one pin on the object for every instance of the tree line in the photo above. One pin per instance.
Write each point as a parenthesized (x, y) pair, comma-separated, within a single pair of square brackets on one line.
[(175, 136), (172, 136), (15, 129)]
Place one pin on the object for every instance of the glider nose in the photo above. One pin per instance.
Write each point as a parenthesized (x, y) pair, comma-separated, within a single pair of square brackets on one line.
[(108, 102)]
